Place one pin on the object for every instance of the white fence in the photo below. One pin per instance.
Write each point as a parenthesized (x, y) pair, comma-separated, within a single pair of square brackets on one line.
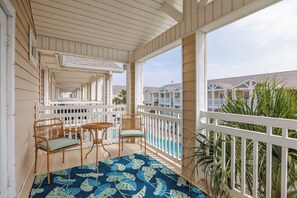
[(212, 121), (75, 115), (164, 130)]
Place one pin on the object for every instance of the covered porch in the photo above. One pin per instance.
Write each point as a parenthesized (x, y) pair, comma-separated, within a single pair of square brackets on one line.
[(130, 32)]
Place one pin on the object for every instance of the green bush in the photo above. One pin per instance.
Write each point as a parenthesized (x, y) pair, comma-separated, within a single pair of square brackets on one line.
[(273, 100)]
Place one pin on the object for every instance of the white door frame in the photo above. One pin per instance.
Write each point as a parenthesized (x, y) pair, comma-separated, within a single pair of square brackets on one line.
[(9, 109)]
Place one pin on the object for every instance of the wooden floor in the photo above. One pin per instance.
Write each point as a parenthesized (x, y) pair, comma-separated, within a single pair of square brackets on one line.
[(72, 159)]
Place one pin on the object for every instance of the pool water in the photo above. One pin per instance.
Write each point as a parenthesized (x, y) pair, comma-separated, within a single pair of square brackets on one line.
[(163, 143)]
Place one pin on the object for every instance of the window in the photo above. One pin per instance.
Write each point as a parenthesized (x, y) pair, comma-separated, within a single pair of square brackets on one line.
[(33, 48)]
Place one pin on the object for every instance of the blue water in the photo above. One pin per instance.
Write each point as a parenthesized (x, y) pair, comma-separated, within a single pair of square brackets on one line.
[(163, 143)]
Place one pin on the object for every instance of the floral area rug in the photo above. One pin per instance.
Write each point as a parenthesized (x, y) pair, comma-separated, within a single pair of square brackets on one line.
[(133, 176)]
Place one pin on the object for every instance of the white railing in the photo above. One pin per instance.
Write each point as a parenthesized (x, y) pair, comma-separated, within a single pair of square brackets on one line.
[(164, 130), (148, 100), (217, 101), (80, 103), (213, 122), (76, 115), (164, 100), (176, 101)]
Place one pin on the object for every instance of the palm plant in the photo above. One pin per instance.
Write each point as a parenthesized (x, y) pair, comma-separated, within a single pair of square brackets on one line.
[(121, 99), (273, 100)]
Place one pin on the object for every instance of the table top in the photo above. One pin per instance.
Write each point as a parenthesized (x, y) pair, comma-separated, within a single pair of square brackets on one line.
[(97, 125)]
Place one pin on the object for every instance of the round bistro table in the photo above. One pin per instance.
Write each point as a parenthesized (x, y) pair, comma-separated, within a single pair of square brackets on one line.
[(98, 126)]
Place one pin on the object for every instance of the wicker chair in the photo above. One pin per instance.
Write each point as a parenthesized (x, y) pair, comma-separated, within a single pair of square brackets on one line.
[(49, 135), (132, 127)]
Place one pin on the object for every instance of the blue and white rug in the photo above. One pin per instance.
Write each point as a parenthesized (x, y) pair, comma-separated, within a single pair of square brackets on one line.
[(133, 176)]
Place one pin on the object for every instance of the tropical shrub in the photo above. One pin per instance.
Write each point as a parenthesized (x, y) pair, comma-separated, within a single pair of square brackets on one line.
[(270, 100)]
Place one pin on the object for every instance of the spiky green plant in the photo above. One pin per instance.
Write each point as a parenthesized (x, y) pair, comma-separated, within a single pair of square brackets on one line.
[(270, 100)]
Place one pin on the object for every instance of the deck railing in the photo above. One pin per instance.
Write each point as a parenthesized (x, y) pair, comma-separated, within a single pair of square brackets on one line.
[(215, 123), (164, 130), (164, 100), (75, 115), (80, 103)]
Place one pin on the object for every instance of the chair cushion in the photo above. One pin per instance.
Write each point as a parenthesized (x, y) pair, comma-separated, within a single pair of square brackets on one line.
[(56, 144), (132, 133)]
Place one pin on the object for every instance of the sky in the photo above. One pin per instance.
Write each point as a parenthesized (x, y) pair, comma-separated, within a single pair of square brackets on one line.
[(260, 43)]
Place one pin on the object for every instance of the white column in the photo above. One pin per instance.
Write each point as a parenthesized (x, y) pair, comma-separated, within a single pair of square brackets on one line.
[(250, 92), (159, 98), (138, 84), (201, 81), (128, 86), (212, 99), (234, 94), (110, 88), (53, 88), (97, 88), (45, 92)]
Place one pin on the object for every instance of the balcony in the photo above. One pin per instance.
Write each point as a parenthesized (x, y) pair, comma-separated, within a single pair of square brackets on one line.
[(40, 37), (176, 102), (164, 101), (150, 100), (216, 103)]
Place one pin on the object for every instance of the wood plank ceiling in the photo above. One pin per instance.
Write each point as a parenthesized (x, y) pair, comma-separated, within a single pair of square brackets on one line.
[(118, 24)]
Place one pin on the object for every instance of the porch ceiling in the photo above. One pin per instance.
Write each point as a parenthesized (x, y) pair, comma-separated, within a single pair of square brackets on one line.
[(68, 81), (118, 24)]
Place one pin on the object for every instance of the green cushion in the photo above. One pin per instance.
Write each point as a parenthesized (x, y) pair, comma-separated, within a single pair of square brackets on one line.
[(132, 133), (56, 144)]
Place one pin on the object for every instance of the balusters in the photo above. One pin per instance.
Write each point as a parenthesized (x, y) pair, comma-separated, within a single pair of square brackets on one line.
[(166, 137), (233, 144), (284, 173), (243, 165), (268, 164), (170, 139), (174, 152), (255, 169)]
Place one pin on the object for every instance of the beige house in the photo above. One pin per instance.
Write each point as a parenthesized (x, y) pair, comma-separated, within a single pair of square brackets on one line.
[(40, 40)]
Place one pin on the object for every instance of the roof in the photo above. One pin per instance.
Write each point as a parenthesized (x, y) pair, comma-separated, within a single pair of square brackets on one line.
[(116, 89), (91, 64), (287, 78), (171, 87)]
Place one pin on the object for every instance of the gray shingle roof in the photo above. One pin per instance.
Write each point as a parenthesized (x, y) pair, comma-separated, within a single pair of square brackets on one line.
[(91, 63), (287, 78)]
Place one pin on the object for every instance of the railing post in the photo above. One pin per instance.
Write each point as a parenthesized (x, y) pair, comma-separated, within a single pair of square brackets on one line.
[(284, 166), (268, 164)]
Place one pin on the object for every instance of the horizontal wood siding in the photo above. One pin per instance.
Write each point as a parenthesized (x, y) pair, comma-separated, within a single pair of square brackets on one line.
[(27, 92), (79, 48), (189, 100), (198, 17)]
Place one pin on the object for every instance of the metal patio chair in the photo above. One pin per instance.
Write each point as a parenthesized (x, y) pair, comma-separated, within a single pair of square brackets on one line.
[(49, 135), (132, 127)]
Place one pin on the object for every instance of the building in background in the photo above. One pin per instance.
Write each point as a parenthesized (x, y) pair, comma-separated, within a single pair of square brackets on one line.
[(242, 87)]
